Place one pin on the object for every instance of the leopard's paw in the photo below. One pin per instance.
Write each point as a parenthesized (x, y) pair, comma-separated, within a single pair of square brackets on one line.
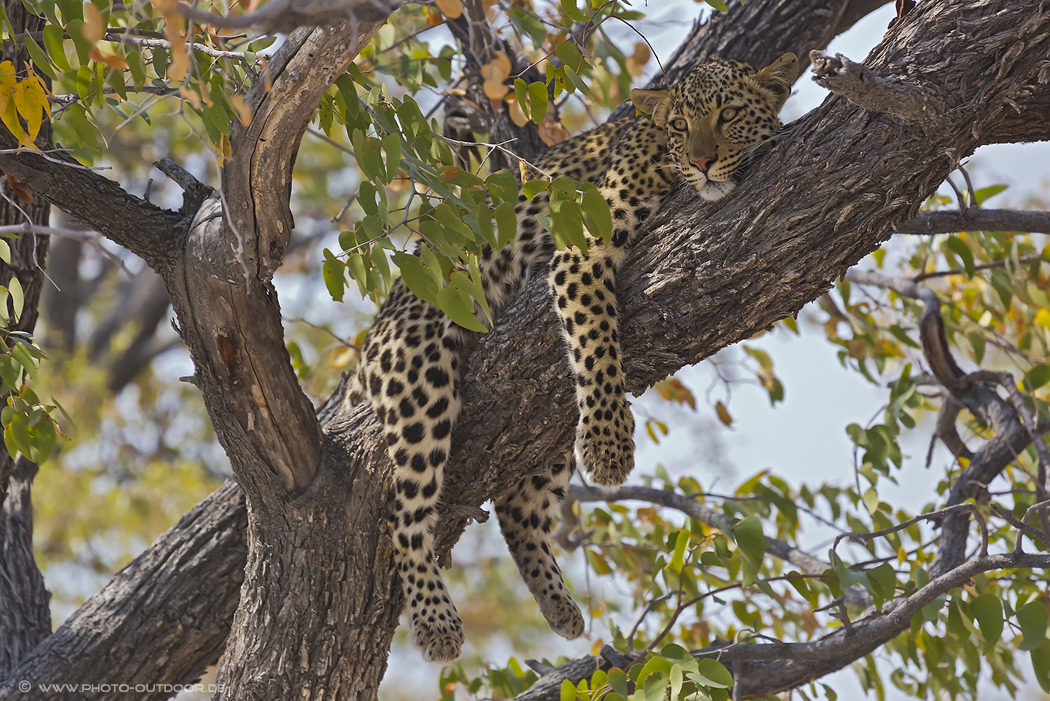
[(564, 618), (437, 631), (605, 460)]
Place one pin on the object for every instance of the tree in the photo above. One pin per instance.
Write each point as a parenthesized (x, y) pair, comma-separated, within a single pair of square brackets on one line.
[(317, 582)]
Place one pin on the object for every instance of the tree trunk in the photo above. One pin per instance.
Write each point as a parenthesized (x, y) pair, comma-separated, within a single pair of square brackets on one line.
[(25, 617)]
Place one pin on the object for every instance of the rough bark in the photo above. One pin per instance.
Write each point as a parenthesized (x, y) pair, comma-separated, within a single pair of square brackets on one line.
[(25, 618), (319, 568), (162, 620)]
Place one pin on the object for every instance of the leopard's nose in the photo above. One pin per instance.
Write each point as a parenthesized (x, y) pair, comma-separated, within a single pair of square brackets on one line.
[(703, 163)]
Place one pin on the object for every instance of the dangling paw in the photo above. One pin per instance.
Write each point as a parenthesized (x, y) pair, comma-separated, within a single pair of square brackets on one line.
[(564, 617), (436, 627), (605, 445), (438, 632)]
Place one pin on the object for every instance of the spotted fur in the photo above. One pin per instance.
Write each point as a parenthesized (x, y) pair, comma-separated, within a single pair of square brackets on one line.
[(701, 131)]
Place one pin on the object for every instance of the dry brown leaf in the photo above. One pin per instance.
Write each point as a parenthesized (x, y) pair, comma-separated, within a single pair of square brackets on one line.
[(93, 29), (21, 189), (434, 19), (111, 60), (550, 129), (498, 68), (495, 90), (516, 115), (191, 96), (636, 61), (244, 114), (450, 8)]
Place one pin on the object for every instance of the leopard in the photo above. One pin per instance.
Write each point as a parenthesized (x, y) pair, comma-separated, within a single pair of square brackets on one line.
[(699, 135)]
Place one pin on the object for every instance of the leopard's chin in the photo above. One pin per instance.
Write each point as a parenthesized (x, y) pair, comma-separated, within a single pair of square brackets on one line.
[(711, 190)]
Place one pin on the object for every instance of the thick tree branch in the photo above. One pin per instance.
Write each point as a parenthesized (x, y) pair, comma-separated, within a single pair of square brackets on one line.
[(920, 104), (286, 15), (975, 219), (163, 619)]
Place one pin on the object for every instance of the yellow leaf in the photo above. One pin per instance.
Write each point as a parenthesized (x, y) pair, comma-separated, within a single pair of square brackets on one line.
[(450, 8), (723, 414), (10, 119), (227, 150), (93, 29), (8, 77), (1042, 317), (27, 103)]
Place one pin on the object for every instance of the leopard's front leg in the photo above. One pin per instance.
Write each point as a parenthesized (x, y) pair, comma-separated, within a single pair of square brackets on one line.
[(583, 289)]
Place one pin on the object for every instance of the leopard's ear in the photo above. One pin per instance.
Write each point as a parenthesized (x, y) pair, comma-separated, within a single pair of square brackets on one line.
[(778, 77), (656, 103)]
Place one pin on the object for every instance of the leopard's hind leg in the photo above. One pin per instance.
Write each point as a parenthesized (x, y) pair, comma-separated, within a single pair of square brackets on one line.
[(525, 516), (412, 363)]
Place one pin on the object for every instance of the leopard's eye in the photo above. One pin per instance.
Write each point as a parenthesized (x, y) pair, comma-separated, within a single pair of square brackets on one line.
[(728, 114), (680, 124)]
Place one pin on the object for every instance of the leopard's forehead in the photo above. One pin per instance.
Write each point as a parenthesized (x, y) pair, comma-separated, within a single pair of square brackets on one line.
[(711, 84)]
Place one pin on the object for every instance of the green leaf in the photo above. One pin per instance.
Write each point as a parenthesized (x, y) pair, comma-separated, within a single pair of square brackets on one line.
[(760, 355), (576, 80), (10, 373), (1038, 375), (655, 685), (458, 309), (568, 691), (988, 611), (569, 55), (416, 276), (903, 337), (531, 188), (718, 5), (984, 193), (675, 678), (538, 101), (618, 681), (572, 11), (977, 342), (680, 656), (17, 296), (333, 271), (5, 251), (392, 150), (712, 674), (506, 223), (21, 354), (596, 214), (959, 248), (680, 545), (1040, 661), (54, 42), (75, 30), (39, 58), (1033, 620), (752, 545)]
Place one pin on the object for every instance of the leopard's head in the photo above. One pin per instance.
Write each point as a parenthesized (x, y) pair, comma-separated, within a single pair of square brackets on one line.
[(715, 116)]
